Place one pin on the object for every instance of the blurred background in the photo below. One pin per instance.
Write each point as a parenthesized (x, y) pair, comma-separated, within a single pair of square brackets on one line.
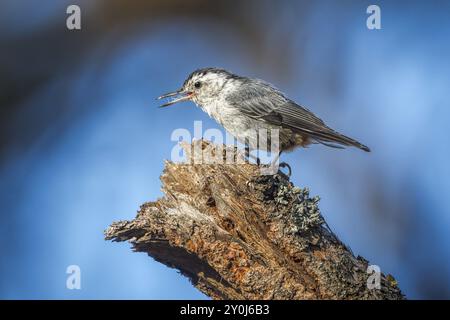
[(82, 143)]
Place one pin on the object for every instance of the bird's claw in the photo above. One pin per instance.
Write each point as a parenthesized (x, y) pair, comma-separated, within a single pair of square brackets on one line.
[(285, 165)]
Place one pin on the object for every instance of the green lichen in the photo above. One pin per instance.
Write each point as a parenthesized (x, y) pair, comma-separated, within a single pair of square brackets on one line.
[(305, 211), (292, 201)]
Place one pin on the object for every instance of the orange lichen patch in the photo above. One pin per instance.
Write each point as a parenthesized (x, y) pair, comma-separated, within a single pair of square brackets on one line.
[(321, 255), (191, 246)]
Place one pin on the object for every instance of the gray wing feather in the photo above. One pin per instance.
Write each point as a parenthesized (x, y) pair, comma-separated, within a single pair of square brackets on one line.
[(259, 100)]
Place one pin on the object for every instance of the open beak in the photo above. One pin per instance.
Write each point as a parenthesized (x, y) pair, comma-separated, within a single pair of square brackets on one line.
[(184, 96)]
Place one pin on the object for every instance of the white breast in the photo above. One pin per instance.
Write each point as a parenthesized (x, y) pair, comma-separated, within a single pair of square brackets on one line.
[(235, 122)]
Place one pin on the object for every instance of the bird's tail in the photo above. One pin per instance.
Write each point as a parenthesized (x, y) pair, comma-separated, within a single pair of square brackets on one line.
[(331, 137)]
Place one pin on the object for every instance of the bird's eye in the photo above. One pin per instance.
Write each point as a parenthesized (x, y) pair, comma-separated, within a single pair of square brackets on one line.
[(197, 84)]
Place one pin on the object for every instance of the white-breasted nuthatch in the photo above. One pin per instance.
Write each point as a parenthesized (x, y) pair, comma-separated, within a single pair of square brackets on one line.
[(244, 105)]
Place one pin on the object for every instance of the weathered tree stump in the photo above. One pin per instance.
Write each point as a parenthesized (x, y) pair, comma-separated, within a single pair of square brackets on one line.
[(237, 234)]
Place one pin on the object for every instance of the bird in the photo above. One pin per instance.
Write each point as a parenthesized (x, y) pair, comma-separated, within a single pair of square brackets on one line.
[(244, 105)]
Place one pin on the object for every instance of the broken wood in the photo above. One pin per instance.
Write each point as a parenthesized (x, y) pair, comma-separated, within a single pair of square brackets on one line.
[(237, 234)]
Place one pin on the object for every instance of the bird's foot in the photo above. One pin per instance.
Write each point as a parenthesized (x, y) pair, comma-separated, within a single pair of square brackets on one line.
[(249, 156), (256, 159), (285, 165)]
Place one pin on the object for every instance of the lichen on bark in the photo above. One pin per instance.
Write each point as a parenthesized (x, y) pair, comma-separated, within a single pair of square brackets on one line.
[(237, 234)]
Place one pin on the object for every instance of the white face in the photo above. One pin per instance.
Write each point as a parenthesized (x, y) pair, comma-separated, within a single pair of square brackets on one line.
[(205, 87)]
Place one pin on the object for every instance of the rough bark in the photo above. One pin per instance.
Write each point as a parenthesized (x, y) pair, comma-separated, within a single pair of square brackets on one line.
[(237, 234)]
